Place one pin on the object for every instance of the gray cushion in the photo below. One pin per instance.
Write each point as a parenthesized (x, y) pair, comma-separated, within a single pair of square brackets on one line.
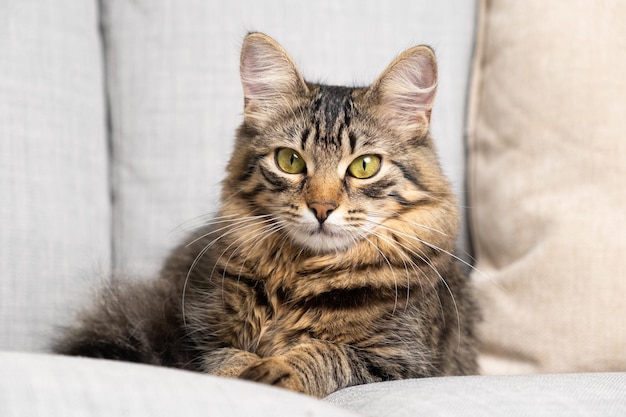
[(46, 385), (599, 394), (36, 384), (54, 200)]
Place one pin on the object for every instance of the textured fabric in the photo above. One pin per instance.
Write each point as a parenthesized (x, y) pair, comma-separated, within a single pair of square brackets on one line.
[(48, 385), (547, 185), (176, 99), (54, 200), (512, 396), (33, 385)]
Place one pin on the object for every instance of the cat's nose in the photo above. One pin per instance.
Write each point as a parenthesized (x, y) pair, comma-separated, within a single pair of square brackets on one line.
[(322, 210)]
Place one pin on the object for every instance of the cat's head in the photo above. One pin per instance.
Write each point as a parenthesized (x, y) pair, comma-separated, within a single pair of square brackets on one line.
[(331, 167)]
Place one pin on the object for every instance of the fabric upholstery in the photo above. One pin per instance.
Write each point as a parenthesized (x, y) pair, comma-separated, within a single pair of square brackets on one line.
[(33, 385), (478, 396), (176, 100), (36, 385), (54, 199), (547, 180)]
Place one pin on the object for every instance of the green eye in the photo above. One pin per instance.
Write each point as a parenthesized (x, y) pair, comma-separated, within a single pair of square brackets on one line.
[(365, 166), (290, 161)]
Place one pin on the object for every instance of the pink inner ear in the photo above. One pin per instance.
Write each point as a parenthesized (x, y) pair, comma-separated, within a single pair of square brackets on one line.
[(411, 85), (408, 90), (267, 72), (256, 71)]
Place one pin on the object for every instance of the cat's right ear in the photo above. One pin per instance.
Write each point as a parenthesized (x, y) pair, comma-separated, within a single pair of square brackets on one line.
[(269, 77), (405, 91)]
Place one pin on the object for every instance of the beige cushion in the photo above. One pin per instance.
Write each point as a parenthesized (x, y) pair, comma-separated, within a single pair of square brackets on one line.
[(547, 178)]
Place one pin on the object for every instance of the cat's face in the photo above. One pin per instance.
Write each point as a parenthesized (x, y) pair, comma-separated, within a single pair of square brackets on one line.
[(328, 166)]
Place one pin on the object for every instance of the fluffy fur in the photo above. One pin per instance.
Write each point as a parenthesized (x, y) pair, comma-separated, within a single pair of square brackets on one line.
[(313, 280)]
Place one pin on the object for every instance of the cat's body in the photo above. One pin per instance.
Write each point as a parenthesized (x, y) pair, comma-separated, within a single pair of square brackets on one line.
[(330, 262)]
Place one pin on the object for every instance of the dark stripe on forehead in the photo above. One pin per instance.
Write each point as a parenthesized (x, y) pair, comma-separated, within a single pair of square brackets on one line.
[(334, 102), (342, 127), (347, 111), (352, 138), (305, 136), (317, 103), (331, 114)]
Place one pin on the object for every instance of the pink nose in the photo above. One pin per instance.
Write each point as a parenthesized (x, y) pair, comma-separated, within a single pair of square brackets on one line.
[(322, 210)]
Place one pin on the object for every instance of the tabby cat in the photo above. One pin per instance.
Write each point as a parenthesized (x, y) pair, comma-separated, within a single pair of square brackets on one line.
[(330, 262)]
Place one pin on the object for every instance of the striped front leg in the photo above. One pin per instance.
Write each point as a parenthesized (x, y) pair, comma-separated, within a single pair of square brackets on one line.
[(315, 368), (228, 362)]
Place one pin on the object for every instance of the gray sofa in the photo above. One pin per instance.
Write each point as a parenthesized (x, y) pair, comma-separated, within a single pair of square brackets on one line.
[(116, 121)]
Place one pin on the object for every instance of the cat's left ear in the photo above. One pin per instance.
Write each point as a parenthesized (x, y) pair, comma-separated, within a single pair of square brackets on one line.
[(269, 77), (404, 93)]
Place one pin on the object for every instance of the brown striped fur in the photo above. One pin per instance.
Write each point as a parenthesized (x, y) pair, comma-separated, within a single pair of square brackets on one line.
[(317, 280)]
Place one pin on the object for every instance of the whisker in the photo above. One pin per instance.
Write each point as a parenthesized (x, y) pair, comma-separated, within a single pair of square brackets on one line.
[(404, 259), (239, 220), (427, 261), (242, 224), (201, 220), (403, 218), (430, 245), (265, 232), (395, 280)]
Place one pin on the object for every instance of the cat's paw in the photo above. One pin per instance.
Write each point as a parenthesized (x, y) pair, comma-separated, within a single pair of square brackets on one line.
[(276, 372)]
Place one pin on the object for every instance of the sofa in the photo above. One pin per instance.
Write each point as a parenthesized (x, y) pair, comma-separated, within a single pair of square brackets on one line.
[(116, 122)]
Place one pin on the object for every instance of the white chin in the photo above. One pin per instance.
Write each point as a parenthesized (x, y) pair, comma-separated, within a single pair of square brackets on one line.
[(320, 242)]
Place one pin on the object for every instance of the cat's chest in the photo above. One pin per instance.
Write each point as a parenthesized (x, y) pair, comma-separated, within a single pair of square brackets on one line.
[(273, 322), (272, 325)]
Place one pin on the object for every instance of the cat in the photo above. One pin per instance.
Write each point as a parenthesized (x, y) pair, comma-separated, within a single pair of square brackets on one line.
[(330, 262)]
